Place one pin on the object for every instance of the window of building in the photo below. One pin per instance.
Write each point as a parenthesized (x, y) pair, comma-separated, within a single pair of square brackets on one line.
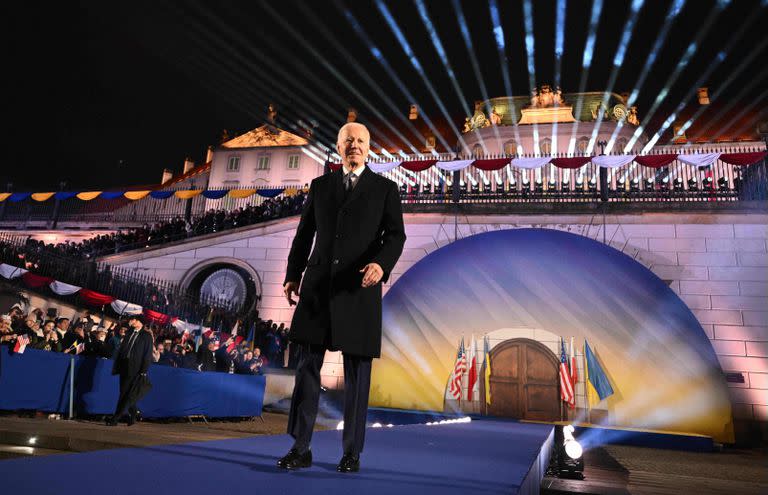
[(510, 147), (293, 162), (545, 146), (582, 144), (263, 163), (233, 164)]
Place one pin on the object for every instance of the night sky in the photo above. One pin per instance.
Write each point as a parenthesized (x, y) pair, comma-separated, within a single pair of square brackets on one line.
[(106, 93)]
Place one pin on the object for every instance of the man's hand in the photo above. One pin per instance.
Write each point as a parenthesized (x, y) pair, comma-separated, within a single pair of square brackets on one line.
[(372, 274), (288, 288)]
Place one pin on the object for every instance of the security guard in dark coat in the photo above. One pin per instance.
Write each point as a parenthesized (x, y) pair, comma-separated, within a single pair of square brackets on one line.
[(132, 363), (355, 219)]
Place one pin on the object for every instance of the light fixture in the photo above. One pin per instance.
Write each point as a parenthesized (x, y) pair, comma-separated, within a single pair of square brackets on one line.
[(33, 440), (340, 426), (568, 452)]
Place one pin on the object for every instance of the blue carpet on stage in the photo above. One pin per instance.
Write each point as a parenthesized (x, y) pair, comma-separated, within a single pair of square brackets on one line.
[(479, 457)]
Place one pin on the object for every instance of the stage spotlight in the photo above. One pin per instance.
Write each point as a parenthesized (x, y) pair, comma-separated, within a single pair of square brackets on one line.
[(568, 453), (722, 183), (693, 185), (475, 188), (565, 185), (649, 183), (592, 185), (665, 183), (678, 185), (538, 187), (621, 184), (340, 426), (708, 183), (376, 425), (634, 185), (33, 440), (390, 425)]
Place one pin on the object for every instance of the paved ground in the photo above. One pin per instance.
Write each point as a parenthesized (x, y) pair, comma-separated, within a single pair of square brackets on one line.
[(60, 436), (610, 470)]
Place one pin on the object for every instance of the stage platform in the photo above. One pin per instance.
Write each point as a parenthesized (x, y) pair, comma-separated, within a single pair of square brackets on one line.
[(481, 456)]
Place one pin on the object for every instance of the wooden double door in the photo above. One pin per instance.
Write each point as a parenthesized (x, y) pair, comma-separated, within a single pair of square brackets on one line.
[(524, 381)]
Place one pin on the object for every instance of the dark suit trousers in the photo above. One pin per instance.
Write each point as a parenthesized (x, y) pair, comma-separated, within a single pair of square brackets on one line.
[(306, 395), (125, 404)]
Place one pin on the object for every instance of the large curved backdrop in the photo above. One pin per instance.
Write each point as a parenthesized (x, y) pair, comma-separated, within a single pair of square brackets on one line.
[(658, 359)]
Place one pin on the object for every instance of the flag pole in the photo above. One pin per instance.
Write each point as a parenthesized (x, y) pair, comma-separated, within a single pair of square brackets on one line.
[(586, 382)]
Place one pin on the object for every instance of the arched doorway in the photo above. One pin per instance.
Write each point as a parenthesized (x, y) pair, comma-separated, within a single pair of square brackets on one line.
[(523, 382)]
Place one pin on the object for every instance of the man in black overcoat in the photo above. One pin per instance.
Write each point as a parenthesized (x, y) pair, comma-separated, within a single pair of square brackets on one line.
[(355, 219), (132, 363)]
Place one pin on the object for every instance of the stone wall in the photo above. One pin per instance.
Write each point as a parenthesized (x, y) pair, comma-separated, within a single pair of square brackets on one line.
[(716, 262)]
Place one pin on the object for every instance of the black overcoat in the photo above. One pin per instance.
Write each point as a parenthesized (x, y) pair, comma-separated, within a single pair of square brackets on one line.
[(350, 231), (141, 356)]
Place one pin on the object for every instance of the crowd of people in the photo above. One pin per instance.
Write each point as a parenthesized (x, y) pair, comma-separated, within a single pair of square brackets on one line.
[(206, 351), (178, 228)]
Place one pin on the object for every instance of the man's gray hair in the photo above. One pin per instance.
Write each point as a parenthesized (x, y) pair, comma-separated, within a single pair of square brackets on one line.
[(348, 125)]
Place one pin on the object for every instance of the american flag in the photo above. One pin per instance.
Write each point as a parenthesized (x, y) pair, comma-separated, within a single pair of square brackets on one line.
[(566, 386), (458, 371), (21, 343), (574, 371)]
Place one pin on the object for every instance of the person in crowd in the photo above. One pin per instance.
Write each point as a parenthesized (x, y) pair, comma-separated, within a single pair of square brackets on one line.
[(97, 345), (74, 337), (206, 358), (250, 364), (189, 357), (62, 326), (117, 333), (7, 335), (17, 315), (164, 357), (132, 363), (50, 339), (31, 328)]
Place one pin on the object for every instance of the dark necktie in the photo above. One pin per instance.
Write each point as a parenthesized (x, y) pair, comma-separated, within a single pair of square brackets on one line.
[(349, 181), (131, 342)]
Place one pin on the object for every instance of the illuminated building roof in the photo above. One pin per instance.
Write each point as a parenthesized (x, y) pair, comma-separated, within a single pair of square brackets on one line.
[(615, 109), (265, 136)]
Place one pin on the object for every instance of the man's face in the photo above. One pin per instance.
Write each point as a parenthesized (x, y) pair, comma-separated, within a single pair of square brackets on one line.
[(160, 348), (48, 327), (256, 352), (210, 346), (64, 324), (353, 145), (248, 356)]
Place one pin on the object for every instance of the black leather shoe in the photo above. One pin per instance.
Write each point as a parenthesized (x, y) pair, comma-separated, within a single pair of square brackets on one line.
[(294, 460), (349, 464)]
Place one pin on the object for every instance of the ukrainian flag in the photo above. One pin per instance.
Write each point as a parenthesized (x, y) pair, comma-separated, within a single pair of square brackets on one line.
[(597, 384)]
